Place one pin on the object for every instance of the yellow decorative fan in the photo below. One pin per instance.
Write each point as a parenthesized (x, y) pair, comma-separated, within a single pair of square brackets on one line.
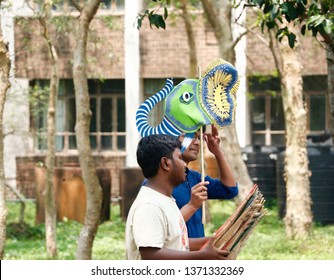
[(217, 91)]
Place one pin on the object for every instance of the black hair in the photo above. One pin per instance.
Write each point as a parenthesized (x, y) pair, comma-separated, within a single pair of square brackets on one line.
[(152, 148)]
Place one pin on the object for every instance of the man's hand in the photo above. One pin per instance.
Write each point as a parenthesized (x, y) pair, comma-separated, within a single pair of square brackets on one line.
[(198, 195), (212, 140), (212, 253)]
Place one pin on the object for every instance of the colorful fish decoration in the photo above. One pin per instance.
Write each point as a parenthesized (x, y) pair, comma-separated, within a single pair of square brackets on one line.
[(194, 103)]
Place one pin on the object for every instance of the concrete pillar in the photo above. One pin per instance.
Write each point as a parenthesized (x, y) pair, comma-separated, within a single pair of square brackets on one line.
[(133, 87), (242, 112), (17, 139)]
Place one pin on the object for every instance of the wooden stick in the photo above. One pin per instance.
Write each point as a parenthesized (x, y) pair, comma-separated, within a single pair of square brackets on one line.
[(202, 160), (202, 173)]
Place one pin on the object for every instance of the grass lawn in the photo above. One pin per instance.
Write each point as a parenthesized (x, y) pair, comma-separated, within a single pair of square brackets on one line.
[(267, 242)]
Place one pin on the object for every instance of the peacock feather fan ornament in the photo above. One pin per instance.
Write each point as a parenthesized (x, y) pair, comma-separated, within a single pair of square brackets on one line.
[(194, 103)]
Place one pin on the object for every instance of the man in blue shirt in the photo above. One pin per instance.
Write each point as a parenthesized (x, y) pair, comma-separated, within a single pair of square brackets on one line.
[(190, 195)]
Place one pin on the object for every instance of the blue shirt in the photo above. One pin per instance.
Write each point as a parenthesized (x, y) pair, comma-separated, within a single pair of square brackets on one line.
[(216, 190)]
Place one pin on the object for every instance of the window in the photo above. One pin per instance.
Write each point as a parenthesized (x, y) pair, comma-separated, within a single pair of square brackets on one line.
[(107, 127), (191, 3), (151, 87), (267, 115), (67, 5), (267, 120)]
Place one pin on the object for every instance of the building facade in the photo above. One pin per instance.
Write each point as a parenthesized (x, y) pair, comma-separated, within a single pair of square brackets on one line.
[(125, 66)]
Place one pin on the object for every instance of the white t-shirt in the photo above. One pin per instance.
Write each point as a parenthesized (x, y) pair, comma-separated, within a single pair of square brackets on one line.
[(154, 220)]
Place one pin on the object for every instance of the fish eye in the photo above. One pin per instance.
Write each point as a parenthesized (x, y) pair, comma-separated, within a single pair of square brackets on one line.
[(186, 97)]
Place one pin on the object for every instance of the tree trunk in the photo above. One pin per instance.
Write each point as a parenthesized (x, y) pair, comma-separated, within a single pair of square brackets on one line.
[(298, 219), (193, 73), (83, 116), (50, 204), (218, 13), (328, 41), (4, 86), (330, 83), (233, 155)]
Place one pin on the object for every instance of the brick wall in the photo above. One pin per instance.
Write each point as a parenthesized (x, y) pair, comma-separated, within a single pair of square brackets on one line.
[(164, 53), (260, 59), (105, 50)]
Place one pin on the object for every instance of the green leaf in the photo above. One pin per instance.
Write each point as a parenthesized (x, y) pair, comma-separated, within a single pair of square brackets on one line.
[(267, 8), (274, 12), (329, 26), (288, 18), (262, 26), (161, 21), (261, 3), (165, 13), (289, 11), (314, 31), (284, 8), (281, 33), (303, 29), (280, 19), (312, 10), (320, 20), (271, 24), (300, 10), (313, 19), (157, 21), (139, 23), (292, 40)]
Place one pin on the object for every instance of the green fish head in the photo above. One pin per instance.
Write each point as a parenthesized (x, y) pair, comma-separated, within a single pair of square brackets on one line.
[(183, 108)]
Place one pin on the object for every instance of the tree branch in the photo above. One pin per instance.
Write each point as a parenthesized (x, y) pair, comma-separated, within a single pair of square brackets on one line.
[(275, 53), (76, 5)]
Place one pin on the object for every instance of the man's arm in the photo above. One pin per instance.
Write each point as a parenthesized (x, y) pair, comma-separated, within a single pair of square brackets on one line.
[(196, 244), (208, 252), (225, 173)]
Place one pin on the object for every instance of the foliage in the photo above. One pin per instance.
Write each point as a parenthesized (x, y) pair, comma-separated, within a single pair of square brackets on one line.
[(111, 22), (62, 23), (154, 18), (38, 102), (38, 99), (22, 231), (315, 16), (157, 20), (267, 242)]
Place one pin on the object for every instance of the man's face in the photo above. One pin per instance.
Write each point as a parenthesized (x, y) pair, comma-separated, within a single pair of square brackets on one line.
[(179, 168), (192, 151)]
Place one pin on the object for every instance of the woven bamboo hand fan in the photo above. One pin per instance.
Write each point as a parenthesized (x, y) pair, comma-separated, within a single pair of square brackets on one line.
[(233, 234)]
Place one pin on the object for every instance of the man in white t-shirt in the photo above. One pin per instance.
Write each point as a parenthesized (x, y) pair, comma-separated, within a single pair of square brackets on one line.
[(155, 228)]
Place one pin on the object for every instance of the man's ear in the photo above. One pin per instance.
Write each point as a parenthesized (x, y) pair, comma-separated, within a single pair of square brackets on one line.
[(165, 163)]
